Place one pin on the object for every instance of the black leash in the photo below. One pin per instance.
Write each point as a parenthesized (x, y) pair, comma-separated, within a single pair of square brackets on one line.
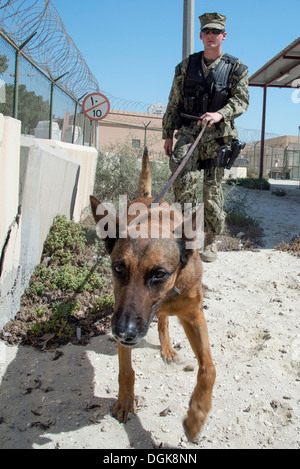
[(181, 166)]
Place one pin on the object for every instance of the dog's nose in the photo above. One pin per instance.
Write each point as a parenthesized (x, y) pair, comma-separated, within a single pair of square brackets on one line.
[(126, 334)]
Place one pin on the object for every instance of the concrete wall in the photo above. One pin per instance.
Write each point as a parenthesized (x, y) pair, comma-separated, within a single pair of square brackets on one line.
[(48, 186), (87, 159), (235, 172), (38, 180), (10, 221)]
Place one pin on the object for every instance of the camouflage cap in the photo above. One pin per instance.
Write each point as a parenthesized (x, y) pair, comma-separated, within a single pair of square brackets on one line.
[(213, 20)]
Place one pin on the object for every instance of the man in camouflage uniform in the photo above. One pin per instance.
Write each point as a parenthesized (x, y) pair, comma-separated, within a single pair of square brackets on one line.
[(214, 87)]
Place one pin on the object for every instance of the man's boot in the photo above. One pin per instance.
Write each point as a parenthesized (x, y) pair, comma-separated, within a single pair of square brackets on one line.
[(210, 253)]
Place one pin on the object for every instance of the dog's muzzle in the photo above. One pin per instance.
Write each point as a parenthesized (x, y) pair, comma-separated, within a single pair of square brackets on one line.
[(125, 331)]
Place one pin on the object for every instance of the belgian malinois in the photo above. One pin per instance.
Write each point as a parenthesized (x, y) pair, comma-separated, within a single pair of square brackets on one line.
[(156, 276)]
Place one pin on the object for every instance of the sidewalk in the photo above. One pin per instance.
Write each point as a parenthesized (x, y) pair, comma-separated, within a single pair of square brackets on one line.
[(286, 184)]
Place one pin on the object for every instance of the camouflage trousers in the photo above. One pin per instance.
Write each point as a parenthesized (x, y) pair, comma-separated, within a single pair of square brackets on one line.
[(200, 186)]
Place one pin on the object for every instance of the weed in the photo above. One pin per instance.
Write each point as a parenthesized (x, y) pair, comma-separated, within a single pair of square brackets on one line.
[(73, 278), (64, 239), (37, 288), (102, 303), (67, 281), (57, 321), (40, 311), (237, 208), (239, 219), (63, 310)]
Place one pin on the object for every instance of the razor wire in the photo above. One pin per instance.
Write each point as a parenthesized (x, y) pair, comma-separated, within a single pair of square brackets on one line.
[(50, 47), (123, 104)]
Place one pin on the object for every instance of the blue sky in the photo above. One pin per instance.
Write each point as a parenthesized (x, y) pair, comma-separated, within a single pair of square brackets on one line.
[(133, 46)]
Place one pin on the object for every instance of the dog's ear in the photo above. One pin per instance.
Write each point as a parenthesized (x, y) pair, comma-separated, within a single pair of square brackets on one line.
[(94, 206), (107, 223), (190, 233)]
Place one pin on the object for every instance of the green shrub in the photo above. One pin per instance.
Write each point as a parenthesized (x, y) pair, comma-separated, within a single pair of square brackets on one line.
[(67, 277), (238, 208), (279, 192), (250, 183), (118, 172), (64, 239), (102, 303)]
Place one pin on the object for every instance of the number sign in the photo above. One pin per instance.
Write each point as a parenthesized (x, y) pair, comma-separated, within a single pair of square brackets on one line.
[(96, 106)]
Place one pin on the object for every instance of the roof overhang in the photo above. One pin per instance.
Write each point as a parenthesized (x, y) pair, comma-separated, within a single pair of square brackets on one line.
[(283, 71)]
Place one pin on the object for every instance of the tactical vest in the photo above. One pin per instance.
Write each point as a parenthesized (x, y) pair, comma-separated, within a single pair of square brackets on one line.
[(207, 94)]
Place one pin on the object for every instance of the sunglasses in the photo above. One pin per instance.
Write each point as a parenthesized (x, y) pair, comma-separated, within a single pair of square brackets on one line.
[(214, 31)]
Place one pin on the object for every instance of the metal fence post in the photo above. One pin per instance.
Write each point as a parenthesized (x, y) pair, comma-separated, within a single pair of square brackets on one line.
[(91, 133), (285, 158), (17, 70), (77, 102), (53, 82)]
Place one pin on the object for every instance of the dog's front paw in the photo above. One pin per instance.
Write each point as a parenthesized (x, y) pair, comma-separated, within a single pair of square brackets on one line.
[(121, 411), (168, 354)]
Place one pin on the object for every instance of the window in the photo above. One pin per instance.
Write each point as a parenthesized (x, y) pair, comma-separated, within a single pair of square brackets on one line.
[(136, 143)]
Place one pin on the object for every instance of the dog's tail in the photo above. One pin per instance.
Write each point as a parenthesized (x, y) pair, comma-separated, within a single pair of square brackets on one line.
[(145, 176)]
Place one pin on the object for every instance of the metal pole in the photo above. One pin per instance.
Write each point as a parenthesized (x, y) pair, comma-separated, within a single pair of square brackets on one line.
[(188, 28), (53, 82), (17, 68), (51, 110), (74, 121), (145, 136), (91, 133), (284, 168), (263, 126), (16, 85), (77, 102), (97, 135), (83, 130)]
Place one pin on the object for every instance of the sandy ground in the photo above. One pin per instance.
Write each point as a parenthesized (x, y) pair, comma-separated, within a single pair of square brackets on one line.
[(51, 400)]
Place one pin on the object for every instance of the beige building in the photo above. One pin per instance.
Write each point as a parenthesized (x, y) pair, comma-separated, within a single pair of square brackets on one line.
[(281, 157), (132, 129)]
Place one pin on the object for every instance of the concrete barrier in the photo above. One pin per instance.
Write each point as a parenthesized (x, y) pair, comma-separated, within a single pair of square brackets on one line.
[(87, 159), (10, 220), (235, 172), (38, 180), (48, 186)]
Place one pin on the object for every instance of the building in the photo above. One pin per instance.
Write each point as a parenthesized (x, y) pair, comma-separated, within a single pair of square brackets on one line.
[(132, 129), (281, 157)]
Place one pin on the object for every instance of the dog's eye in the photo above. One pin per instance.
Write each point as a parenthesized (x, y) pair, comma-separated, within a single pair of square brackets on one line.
[(118, 269), (159, 275)]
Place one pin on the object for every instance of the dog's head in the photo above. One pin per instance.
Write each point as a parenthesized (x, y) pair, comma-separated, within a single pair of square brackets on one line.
[(146, 259)]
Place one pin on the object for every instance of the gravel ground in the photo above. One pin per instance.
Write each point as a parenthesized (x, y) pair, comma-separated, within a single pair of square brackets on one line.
[(62, 398)]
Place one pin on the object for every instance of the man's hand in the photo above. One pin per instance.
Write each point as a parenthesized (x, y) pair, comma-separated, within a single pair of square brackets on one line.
[(210, 118), (168, 146)]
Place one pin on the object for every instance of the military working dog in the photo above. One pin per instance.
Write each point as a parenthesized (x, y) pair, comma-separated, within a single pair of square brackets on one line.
[(161, 276)]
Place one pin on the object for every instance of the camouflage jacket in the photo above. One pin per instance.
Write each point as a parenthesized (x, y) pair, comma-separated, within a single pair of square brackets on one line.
[(236, 105)]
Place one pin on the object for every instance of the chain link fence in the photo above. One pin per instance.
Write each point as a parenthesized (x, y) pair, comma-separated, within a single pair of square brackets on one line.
[(279, 162), (40, 84)]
